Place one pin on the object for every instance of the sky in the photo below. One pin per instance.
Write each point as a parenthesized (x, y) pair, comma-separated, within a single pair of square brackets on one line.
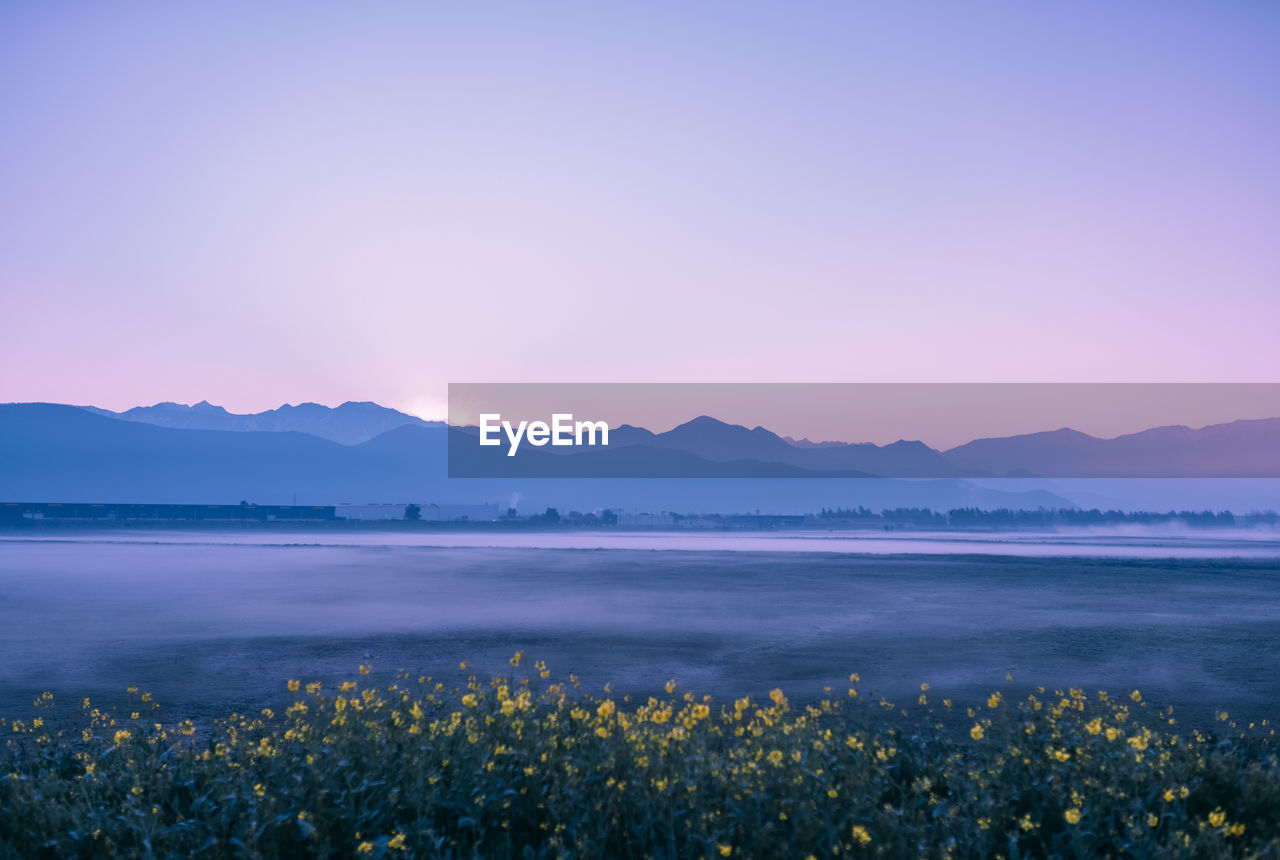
[(255, 204)]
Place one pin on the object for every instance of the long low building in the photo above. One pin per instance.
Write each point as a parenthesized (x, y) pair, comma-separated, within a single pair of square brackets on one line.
[(68, 511)]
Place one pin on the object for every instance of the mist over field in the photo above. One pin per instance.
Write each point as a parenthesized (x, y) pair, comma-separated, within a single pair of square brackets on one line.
[(209, 622)]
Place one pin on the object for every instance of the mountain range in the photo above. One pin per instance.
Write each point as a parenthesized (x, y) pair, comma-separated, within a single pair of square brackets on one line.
[(365, 452), (53, 452), (351, 423), (1239, 449)]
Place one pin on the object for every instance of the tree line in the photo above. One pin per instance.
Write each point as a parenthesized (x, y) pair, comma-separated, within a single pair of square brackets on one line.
[(1046, 517)]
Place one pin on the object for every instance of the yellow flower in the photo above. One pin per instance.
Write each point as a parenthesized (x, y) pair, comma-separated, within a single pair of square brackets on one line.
[(671, 687), (1072, 815), (396, 842), (365, 847), (1237, 829), (775, 758), (293, 686), (1153, 820), (860, 833), (725, 850), (1168, 795), (1136, 696), (777, 697), (1217, 817), (606, 709), (993, 701), (515, 660), (976, 732), (1094, 726)]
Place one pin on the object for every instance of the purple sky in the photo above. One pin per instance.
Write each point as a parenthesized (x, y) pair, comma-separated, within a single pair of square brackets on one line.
[(259, 203)]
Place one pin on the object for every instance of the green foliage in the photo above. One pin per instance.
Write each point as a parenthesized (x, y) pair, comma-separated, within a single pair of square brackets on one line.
[(521, 767)]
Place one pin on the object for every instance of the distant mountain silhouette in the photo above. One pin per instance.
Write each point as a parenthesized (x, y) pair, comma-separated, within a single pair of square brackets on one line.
[(56, 453), (1239, 449), (627, 460), (719, 441), (809, 443), (350, 424), (63, 453)]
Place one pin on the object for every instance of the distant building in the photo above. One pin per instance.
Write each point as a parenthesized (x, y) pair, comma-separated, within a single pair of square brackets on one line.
[(370, 512), (653, 521), (460, 513), (764, 521), (701, 522)]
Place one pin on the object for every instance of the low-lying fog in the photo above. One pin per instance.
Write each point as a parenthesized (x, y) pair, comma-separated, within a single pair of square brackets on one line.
[(211, 621)]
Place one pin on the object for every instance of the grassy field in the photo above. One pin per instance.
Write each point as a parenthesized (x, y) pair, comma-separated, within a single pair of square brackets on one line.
[(419, 755), (524, 766)]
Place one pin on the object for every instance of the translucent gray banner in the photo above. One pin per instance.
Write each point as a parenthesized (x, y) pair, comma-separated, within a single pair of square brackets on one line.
[(848, 430)]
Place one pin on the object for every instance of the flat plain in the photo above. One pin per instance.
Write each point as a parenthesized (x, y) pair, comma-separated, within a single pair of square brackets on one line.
[(211, 625)]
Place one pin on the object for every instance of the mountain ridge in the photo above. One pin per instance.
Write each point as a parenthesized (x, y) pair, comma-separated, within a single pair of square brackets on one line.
[(703, 445), (1235, 449), (60, 453), (350, 423)]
